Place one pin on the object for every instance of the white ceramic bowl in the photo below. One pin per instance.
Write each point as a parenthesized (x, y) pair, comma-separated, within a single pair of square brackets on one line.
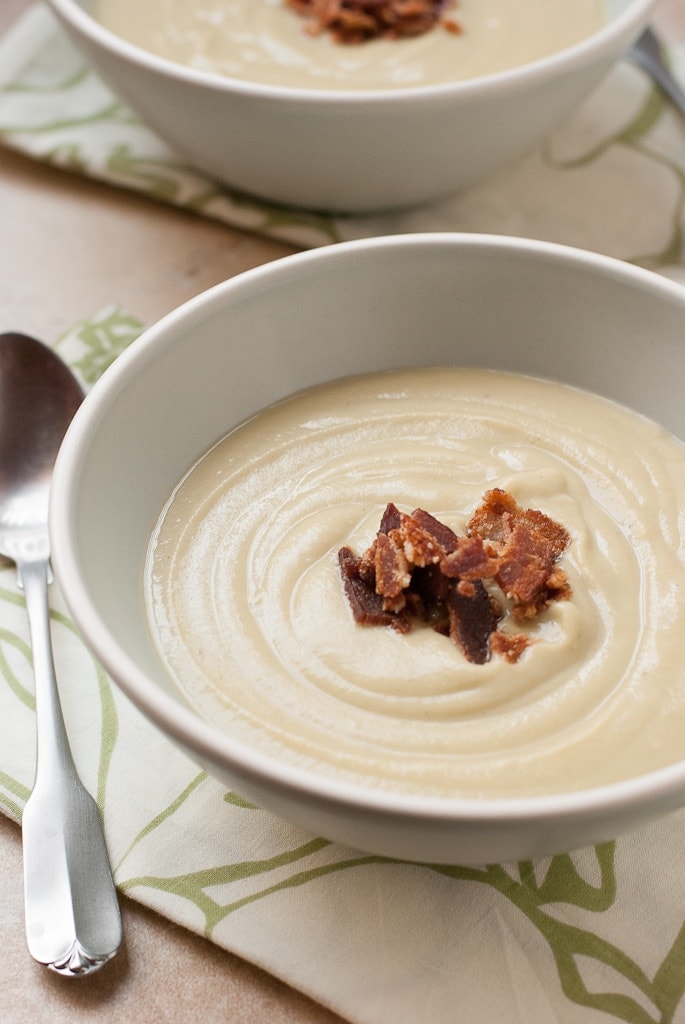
[(422, 299), (349, 151)]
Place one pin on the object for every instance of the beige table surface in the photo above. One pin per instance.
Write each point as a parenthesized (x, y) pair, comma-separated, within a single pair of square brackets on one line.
[(52, 224)]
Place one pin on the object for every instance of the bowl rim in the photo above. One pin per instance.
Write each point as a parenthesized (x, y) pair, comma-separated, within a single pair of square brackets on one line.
[(630, 21), (206, 740)]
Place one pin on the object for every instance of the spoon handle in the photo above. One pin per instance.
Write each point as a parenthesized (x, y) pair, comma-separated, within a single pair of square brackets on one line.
[(73, 923), (647, 54)]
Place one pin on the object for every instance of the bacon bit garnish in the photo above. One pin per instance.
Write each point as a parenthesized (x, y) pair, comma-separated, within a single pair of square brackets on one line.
[(367, 605), (498, 515), (357, 21), (392, 571), (509, 645), (392, 519), (473, 619), (470, 560), (527, 544), (420, 545), (445, 538), (417, 567)]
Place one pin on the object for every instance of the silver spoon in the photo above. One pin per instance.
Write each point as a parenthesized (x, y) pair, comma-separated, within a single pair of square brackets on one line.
[(73, 923), (647, 52)]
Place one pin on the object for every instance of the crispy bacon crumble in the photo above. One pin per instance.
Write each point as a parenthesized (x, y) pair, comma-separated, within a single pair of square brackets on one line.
[(357, 21), (417, 568)]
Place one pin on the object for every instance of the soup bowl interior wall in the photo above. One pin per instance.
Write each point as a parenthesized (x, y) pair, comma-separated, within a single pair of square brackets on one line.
[(420, 300), (347, 151)]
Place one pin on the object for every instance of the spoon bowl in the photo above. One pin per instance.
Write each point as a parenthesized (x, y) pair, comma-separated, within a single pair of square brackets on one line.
[(30, 381), (73, 924)]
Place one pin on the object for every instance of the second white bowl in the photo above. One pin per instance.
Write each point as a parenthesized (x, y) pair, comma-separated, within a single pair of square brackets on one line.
[(346, 150)]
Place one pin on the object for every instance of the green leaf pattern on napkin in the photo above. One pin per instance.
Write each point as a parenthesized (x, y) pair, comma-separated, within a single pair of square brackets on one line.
[(583, 937), (652, 999), (94, 344)]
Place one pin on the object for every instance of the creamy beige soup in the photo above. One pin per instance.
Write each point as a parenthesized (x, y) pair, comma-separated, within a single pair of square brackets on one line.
[(264, 41), (247, 609)]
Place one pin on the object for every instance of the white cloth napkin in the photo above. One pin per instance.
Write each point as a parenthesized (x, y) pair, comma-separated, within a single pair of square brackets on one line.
[(587, 937)]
